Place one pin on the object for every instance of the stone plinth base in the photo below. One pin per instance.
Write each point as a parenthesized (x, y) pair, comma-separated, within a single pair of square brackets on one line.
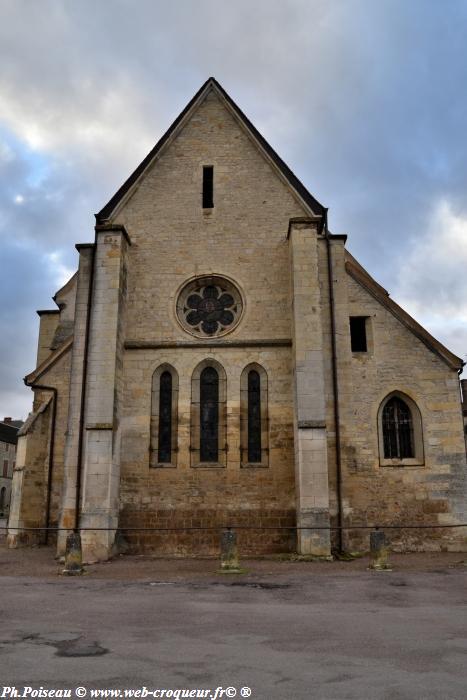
[(315, 542)]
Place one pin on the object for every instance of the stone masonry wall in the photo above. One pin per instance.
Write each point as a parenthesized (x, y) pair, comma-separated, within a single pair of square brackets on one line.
[(243, 236), (59, 377), (173, 239), (188, 496), (434, 493)]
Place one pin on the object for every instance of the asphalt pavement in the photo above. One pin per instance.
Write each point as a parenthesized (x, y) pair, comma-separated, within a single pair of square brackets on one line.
[(366, 635)]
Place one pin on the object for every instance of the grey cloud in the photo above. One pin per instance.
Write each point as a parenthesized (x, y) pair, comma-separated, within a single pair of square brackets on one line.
[(365, 101)]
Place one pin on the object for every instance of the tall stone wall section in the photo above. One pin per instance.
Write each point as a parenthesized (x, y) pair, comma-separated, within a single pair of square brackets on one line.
[(101, 453), (432, 493), (71, 452), (244, 237), (310, 437)]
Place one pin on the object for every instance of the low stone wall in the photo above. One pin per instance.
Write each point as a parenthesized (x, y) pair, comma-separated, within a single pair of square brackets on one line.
[(206, 542)]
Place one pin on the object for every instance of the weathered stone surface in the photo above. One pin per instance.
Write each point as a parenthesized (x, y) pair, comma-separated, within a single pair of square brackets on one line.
[(260, 235)]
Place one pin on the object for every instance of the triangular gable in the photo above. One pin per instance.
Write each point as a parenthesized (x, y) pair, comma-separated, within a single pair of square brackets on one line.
[(364, 279), (310, 203)]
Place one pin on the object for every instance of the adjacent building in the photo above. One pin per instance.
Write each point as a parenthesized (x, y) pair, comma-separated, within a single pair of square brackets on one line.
[(8, 438)]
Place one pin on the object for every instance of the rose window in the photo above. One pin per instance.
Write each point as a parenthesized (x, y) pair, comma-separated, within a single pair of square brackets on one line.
[(209, 306)]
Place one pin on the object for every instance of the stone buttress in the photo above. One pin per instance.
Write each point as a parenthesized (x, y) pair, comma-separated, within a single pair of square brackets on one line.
[(102, 413), (311, 458)]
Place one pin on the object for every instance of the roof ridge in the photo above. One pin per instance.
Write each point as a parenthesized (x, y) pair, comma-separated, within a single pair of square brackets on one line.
[(106, 211), (362, 277)]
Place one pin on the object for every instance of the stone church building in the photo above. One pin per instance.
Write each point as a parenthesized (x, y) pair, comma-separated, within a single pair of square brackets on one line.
[(220, 359)]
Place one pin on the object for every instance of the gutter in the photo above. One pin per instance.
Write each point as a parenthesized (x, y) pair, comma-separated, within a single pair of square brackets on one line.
[(335, 388), (83, 390)]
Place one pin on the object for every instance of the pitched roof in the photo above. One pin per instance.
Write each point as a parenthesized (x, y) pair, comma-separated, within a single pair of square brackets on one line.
[(313, 204), (33, 416), (8, 433), (378, 292), (31, 378)]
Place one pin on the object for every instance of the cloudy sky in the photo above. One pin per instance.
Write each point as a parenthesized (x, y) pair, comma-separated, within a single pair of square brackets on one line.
[(366, 101)]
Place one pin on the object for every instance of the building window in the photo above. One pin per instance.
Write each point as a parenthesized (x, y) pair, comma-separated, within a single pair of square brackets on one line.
[(5, 468), (209, 306), (400, 431), (254, 416), (164, 417), (358, 339), (2, 499), (254, 437), (209, 415), (397, 430), (208, 187)]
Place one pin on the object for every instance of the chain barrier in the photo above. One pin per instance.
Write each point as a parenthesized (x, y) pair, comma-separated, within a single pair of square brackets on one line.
[(219, 528)]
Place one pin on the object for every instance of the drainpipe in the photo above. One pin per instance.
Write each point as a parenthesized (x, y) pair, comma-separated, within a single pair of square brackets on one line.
[(83, 390), (42, 387), (335, 389)]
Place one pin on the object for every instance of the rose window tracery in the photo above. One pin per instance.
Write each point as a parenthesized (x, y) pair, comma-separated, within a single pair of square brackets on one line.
[(209, 306)]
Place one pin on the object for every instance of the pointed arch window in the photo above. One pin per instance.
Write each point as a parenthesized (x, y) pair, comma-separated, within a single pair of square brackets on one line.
[(254, 416), (400, 431), (164, 447), (397, 430), (254, 437), (164, 417), (208, 415)]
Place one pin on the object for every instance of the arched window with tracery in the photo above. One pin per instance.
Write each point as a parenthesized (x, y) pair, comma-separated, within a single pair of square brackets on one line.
[(397, 430), (254, 437), (400, 431), (209, 415), (164, 417)]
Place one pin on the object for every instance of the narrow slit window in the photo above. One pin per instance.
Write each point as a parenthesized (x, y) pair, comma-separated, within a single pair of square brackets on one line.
[(208, 187), (254, 447), (209, 415), (165, 419), (254, 417), (358, 334)]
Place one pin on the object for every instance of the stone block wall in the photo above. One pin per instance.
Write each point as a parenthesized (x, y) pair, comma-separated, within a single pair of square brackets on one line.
[(188, 496), (432, 493), (282, 273), (244, 237)]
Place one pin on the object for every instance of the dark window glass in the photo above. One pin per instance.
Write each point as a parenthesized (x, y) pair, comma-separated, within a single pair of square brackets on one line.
[(209, 415), (397, 430), (358, 333), (208, 187), (5, 467), (165, 418), (254, 416)]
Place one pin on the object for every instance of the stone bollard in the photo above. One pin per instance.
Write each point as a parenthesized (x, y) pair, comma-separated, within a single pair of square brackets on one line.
[(73, 555), (378, 551), (229, 552)]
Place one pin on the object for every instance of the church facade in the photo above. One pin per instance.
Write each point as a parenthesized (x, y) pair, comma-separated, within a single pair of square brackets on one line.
[(220, 359)]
